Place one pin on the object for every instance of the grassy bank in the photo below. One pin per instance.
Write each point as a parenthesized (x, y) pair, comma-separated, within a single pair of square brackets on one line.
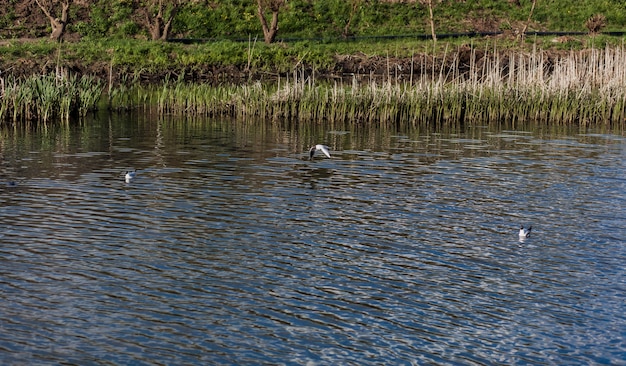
[(153, 61)]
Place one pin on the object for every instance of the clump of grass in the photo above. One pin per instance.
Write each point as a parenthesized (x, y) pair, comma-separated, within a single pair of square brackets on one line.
[(44, 98)]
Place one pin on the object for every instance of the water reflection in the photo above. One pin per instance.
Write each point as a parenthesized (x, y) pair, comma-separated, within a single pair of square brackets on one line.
[(231, 247)]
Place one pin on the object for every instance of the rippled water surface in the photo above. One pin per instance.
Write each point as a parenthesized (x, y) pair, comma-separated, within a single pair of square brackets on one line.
[(231, 248)]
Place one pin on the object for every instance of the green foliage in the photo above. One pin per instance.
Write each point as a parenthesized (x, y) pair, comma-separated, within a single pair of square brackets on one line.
[(194, 18), (224, 19), (108, 19)]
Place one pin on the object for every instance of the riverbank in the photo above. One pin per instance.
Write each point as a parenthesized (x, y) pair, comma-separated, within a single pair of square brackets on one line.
[(461, 85)]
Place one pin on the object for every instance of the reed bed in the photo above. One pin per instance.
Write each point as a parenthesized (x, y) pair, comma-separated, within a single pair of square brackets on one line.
[(47, 98), (583, 87), (580, 87)]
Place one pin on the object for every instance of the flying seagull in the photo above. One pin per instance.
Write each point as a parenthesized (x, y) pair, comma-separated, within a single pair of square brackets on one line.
[(317, 147), (524, 233)]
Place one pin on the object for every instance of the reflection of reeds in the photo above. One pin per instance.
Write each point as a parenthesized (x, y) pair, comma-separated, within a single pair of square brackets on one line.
[(43, 98), (581, 88)]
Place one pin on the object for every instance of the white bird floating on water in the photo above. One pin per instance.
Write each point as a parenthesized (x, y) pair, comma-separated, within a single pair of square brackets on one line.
[(524, 233), (130, 175), (317, 147)]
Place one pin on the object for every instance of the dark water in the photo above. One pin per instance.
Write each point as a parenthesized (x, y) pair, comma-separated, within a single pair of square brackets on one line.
[(230, 248)]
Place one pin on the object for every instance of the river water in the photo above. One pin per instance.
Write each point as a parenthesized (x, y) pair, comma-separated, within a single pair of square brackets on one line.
[(230, 247)]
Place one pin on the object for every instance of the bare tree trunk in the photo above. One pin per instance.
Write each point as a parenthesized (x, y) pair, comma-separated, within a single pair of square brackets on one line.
[(155, 28), (269, 32), (58, 24), (159, 25)]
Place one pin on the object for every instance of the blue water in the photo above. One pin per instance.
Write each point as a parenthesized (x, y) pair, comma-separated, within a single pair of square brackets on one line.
[(231, 248)]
